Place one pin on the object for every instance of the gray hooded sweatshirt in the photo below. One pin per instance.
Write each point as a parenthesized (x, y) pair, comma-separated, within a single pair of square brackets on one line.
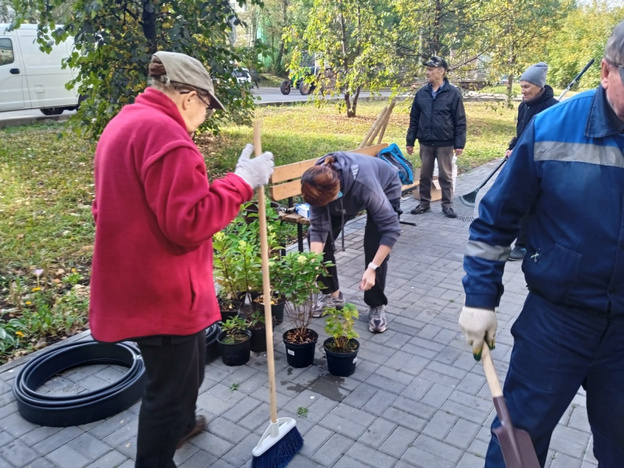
[(367, 183)]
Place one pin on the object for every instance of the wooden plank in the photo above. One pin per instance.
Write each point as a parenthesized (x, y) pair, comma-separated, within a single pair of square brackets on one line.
[(291, 171), (286, 179), (285, 190), (370, 150)]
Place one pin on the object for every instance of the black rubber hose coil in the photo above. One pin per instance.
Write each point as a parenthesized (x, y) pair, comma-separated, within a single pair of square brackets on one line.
[(73, 410)]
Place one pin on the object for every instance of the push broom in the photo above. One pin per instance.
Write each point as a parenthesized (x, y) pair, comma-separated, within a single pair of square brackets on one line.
[(281, 441)]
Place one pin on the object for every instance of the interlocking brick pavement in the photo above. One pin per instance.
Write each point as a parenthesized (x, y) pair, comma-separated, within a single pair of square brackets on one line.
[(417, 398)]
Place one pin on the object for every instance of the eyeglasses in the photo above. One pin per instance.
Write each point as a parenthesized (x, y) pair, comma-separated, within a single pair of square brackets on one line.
[(209, 107)]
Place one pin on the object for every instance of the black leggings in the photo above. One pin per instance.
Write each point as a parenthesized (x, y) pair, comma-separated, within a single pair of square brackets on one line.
[(375, 296)]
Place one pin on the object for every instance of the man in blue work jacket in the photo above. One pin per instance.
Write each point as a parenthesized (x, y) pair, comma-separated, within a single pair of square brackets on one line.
[(567, 171)]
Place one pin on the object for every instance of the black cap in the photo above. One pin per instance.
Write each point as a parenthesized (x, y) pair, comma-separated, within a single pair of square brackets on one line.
[(437, 62)]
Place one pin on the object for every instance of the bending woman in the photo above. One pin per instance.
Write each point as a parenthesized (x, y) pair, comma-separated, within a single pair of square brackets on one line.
[(337, 188)]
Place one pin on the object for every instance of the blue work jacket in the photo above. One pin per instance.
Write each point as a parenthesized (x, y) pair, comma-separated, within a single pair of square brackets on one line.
[(567, 171)]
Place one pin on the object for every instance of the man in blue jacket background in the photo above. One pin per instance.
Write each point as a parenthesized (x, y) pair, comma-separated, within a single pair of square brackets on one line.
[(438, 120), (567, 171)]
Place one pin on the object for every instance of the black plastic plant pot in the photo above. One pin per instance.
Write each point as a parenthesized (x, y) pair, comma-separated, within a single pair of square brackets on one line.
[(258, 340), (277, 309), (235, 354), (65, 410), (212, 347), (341, 364), (300, 354)]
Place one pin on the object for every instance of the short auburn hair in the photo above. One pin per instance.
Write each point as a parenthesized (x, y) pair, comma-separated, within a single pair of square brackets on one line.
[(320, 184)]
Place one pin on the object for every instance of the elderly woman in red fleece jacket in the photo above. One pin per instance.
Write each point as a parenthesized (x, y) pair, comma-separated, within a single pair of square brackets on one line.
[(155, 214)]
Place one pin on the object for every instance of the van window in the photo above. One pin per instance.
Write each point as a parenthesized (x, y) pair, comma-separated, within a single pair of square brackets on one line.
[(6, 51)]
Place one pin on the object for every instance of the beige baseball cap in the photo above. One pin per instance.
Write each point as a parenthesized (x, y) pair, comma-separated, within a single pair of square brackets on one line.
[(190, 71)]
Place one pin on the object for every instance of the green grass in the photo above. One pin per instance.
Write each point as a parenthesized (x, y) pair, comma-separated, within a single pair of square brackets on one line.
[(46, 190)]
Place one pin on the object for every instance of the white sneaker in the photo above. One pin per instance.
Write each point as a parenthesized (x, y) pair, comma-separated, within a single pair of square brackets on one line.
[(327, 301), (377, 322)]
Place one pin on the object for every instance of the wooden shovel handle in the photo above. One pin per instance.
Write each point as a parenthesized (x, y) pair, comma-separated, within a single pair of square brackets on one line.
[(266, 281), (490, 372)]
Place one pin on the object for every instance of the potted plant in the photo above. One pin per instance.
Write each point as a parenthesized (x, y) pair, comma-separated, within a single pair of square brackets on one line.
[(342, 346), (234, 341), (294, 277), (256, 323), (236, 264)]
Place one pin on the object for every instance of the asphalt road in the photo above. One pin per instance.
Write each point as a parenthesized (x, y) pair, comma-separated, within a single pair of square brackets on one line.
[(265, 96)]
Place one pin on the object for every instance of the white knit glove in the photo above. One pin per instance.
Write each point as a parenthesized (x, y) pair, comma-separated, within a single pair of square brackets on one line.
[(257, 171), (477, 325)]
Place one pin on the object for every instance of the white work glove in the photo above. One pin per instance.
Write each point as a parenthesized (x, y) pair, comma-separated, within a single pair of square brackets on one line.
[(257, 171), (477, 325)]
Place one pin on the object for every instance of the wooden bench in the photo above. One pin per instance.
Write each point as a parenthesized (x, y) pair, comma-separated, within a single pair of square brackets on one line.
[(285, 184)]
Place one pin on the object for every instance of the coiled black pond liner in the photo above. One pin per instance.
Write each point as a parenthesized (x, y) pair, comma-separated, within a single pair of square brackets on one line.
[(212, 347), (83, 408)]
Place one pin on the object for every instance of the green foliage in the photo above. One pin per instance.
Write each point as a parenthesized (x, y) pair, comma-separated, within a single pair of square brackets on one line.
[(353, 46), (256, 319), (581, 37), (237, 258), (114, 42), (302, 412), (339, 326), (234, 328), (45, 309), (234, 387), (515, 33), (294, 277)]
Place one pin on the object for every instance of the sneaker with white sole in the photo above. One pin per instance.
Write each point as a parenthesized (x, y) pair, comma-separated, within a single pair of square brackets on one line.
[(377, 322), (327, 301)]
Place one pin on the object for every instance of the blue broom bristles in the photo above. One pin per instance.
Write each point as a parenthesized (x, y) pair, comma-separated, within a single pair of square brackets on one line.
[(281, 454)]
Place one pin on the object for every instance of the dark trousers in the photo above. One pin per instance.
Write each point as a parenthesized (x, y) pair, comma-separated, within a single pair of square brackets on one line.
[(556, 350), (174, 367), (428, 155), (375, 296)]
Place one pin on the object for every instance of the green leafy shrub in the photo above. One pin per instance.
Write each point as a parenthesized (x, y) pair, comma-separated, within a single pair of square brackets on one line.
[(339, 326)]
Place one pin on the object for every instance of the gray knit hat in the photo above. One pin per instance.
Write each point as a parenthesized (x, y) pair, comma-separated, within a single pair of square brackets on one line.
[(188, 70), (614, 51), (536, 74)]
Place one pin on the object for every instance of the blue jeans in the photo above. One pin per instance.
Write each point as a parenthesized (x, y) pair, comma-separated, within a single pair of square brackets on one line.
[(556, 350)]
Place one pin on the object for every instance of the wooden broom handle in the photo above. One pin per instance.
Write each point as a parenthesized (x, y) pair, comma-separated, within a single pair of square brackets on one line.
[(266, 281), (490, 372)]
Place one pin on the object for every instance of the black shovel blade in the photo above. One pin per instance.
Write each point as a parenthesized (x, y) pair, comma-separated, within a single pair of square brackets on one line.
[(516, 444)]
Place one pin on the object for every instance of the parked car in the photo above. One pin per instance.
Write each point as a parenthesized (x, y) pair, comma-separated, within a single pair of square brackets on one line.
[(242, 75), (32, 79)]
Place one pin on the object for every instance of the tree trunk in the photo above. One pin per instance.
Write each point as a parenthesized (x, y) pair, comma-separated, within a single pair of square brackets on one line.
[(148, 23), (510, 81), (352, 103)]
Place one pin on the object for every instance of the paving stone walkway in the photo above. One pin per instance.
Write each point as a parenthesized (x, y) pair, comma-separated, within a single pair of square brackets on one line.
[(417, 398)]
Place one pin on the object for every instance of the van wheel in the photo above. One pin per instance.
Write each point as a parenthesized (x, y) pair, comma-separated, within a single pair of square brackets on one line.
[(81, 99), (52, 111)]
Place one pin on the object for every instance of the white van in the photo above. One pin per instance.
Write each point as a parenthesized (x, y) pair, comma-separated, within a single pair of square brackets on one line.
[(31, 79)]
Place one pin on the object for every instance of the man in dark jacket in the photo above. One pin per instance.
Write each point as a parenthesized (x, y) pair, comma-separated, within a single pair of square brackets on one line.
[(536, 96), (438, 120)]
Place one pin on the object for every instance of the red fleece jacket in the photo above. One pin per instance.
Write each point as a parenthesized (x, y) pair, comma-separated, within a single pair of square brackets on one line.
[(155, 214)]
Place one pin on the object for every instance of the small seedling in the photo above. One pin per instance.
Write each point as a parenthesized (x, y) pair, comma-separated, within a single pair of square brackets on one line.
[(234, 387), (302, 412)]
